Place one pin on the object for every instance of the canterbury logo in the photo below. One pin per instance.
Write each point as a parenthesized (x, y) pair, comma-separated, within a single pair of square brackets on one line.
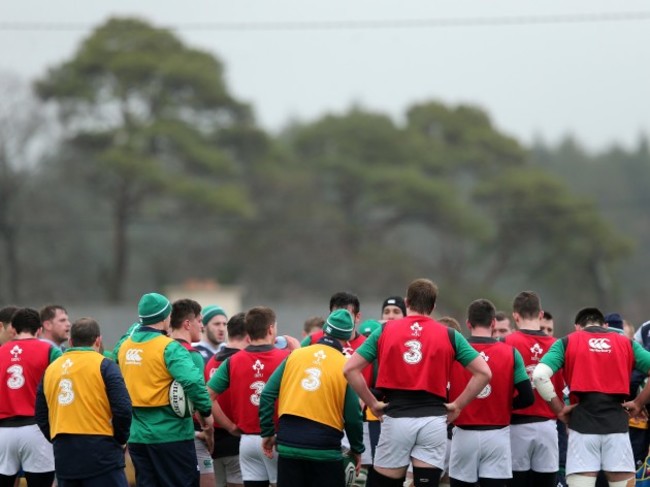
[(600, 345), (133, 356)]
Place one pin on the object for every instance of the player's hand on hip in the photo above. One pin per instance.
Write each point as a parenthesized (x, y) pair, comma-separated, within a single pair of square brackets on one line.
[(377, 409), (268, 444), (452, 411), (565, 413), (634, 409)]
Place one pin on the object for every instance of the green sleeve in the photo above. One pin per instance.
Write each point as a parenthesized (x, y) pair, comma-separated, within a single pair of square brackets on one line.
[(306, 341), (181, 367), (465, 353), (269, 395), (55, 353), (554, 358), (123, 338), (220, 380), (641, 358), (353, 420), (520, 369), (199, 363), (368, 349)]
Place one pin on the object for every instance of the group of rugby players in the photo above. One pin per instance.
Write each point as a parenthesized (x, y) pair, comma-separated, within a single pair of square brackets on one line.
[(407, 397)]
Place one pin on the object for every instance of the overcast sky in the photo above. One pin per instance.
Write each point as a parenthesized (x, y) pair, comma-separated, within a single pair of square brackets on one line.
[(588, 78)]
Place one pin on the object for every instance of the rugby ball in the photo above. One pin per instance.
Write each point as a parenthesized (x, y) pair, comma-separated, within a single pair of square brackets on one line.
[(180, 404), (350, 470)]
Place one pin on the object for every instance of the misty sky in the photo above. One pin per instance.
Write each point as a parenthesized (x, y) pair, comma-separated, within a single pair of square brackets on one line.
[(590, 79)]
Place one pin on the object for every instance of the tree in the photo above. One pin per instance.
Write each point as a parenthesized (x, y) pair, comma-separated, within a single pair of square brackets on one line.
[(20, 121), (142, 113), (540, 224), (615, 181), (394, 194), (450, 196)]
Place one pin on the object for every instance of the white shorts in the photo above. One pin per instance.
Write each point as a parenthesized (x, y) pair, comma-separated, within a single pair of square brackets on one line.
[(255, 466), (227, 471), (592, 453), (27, 447), (203, 457), (480, 453), (447, 457), (345, 443), (534, 447), (366, 456), (401, 439)]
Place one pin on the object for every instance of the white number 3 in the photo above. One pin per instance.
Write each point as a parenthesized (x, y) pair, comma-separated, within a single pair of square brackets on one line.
[(66, 394), (414, 354), (256, 386), (312, 382), (17, 379)]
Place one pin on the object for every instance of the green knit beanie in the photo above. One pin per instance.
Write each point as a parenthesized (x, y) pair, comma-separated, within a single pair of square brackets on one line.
[(367, 327), (210, 312), (153, 308), (339, 324)]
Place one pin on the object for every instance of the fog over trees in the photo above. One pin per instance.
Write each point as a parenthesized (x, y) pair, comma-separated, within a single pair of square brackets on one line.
[(154, 173)]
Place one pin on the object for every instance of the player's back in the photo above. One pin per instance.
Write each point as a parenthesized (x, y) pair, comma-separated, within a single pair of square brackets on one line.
[(22, 365)]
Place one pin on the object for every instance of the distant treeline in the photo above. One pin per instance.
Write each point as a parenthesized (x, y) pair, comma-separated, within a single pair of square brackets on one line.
[(132, 166)]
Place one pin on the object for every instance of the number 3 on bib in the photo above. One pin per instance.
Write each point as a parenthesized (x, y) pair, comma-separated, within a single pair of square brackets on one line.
[(312, 382), (66, 394), (256, 386), (17, 379), (414, 353)]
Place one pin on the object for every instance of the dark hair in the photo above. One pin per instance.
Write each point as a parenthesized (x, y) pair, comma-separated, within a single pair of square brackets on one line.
[(421, 296), (7, 313), (547, 315), (26, 320), (588, 316), (183, 309), (313, 322), (84, 332), (450, 322), (501, 315), (343, 299), (49, 312), (480, 313), (236, 326), (258, 321), (527, 305)]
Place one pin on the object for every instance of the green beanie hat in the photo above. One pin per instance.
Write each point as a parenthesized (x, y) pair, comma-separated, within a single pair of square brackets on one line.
[(210, 312), (339, 324), (368, 326), (153, 308)]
